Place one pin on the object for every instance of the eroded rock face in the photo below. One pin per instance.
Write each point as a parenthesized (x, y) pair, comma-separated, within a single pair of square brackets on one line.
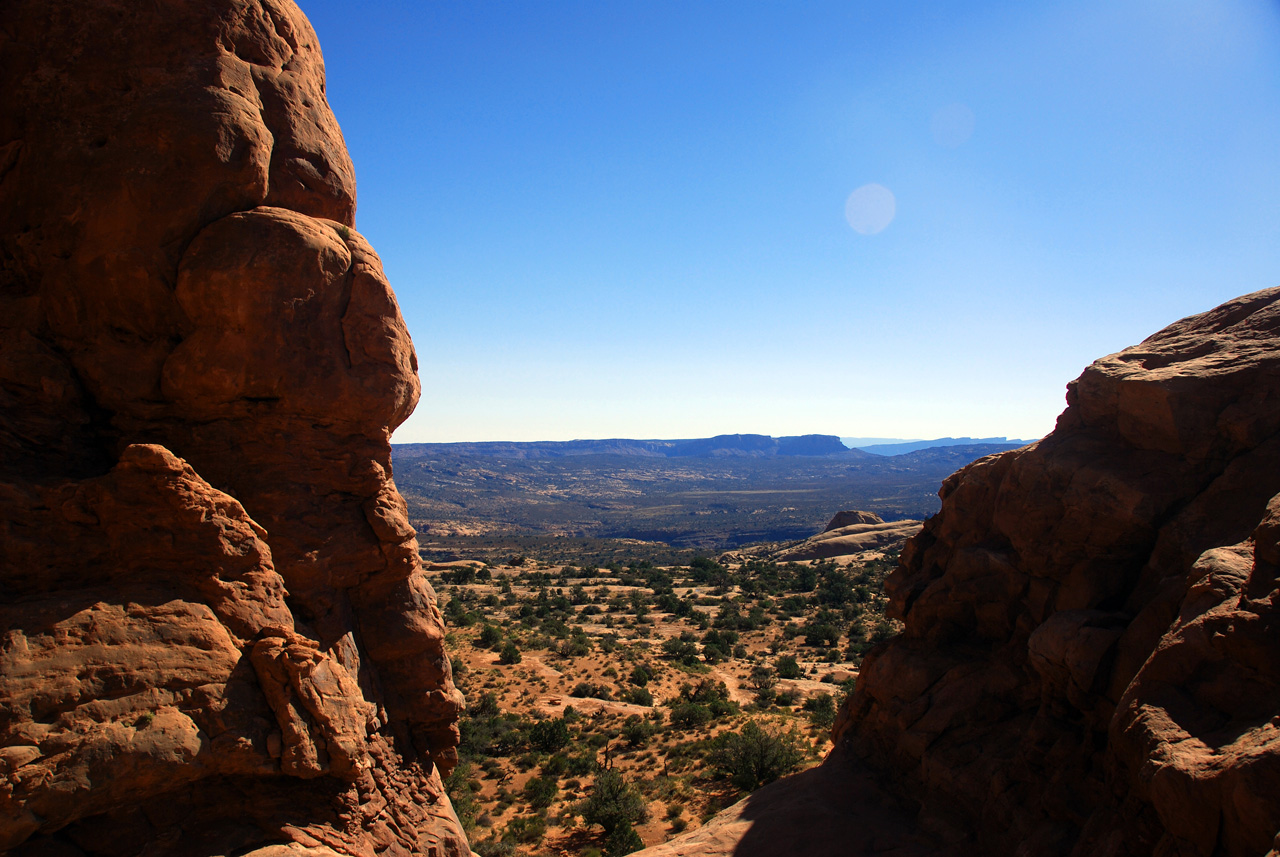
[(1091, 657), (218, 636), (849, 539)]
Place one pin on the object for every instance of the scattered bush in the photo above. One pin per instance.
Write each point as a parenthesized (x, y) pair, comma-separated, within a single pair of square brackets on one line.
[(753, 757), (821, 709), (613, 803), (637, 731), (549, 735), (541, 791), (588, 689), (461, 794), (510, 654), (623, 840), (690, 715), (641, 674), (528, 830), (489, 636), (787, 667)]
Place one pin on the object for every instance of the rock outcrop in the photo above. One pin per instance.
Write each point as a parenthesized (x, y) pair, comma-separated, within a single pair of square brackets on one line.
[(849, 517), (218, 636), (1090, 663), (850, 533)]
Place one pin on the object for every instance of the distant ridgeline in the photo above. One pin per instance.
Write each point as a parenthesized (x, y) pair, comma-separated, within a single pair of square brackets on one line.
[(710, 493), (725, 445), (912, 445)]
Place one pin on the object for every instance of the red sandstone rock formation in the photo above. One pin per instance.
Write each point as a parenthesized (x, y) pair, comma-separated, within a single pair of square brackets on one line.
[(848, 534), (1091, 658), (217, 634)]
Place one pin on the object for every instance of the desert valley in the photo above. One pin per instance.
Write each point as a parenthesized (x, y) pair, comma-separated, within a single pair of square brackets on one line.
[(239, 622)]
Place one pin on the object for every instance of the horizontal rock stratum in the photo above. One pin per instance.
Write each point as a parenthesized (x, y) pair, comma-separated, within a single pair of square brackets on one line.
[(218, 638), (1090, 664)]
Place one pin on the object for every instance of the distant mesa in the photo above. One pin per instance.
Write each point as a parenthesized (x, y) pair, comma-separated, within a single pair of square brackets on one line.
[(903, 447), (720, 446)]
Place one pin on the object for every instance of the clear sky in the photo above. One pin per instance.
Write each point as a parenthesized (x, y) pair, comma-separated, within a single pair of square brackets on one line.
[(679, 219)]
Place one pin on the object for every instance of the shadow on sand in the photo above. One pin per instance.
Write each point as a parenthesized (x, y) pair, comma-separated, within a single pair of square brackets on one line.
[(833, 810)]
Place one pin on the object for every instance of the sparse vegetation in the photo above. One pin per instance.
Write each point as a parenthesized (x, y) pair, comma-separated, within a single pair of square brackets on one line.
[(613, 706)]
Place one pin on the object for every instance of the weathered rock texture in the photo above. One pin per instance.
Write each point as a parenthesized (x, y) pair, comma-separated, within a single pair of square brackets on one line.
[(850, 533), (217, 635), (1091, 657)]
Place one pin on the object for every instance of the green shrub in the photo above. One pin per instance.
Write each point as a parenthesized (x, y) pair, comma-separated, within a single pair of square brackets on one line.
[(787, 667), (528, 830), (549, 735), (510, 654), (641, 674), (489, 636), (623, 840), (821, 709), (613, 803), (462, 796), (541, 792), (690, 715), (637, 731), (753, 757), (585, 689), (554, 766)]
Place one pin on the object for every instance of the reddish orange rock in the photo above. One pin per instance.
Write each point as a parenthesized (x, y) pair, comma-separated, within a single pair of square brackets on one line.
[(219, 638), (1090, 663)]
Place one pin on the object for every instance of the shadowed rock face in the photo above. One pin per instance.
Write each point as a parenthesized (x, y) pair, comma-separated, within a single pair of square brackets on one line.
[(1091, 658), (218, 635)]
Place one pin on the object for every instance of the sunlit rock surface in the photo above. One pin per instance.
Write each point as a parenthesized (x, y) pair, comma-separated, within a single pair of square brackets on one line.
[(217, 634)]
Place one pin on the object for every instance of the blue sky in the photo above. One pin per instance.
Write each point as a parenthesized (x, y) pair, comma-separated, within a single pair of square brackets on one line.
[(617, 219)]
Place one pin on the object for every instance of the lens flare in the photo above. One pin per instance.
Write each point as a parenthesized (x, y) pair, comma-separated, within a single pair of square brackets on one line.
[(870, 208)]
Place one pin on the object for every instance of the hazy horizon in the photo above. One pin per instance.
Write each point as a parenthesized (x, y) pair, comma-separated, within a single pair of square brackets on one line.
[(912, 219), (850, 442)]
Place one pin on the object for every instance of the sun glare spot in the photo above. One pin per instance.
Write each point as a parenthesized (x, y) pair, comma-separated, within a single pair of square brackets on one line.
[(870, 208), (952, 125)]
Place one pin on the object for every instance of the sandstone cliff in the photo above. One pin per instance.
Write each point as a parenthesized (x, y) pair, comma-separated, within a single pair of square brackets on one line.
[(218, 637), (1091, 657)]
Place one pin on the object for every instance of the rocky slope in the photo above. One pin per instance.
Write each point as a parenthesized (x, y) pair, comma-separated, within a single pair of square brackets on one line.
[(1090, 663), (218, 635)]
